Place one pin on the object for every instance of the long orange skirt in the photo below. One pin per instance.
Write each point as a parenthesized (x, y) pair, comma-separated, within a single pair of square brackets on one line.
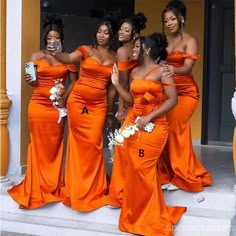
[(85, 176), (143, 210), (178, 163), (116, 186), (43, 182)]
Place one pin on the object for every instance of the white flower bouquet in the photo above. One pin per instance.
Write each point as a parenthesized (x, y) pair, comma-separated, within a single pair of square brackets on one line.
[(119, 136), (56, 92)]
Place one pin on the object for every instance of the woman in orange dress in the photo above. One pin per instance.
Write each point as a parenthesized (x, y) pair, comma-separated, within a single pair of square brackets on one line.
[(43, 182), (129, 31), (143, 209), (178, 166), (88, 108)]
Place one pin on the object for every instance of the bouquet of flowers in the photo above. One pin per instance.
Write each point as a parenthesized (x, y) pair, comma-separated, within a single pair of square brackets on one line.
[(55, 96), (119, 136)]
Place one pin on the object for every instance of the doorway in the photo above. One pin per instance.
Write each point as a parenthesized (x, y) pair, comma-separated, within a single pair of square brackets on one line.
[(219, 76)]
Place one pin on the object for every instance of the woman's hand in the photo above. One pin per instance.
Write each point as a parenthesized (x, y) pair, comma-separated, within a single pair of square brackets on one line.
[(115, 76), (54, 47), (168, 70), (60, 103), (28, 79), (109, 121), (120, 116), (142, 121)]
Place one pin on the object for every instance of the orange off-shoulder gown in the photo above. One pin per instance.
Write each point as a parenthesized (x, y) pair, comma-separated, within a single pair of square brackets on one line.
[(43, 182), (143, 209), (85, 176), (178, 163), (119, 164)]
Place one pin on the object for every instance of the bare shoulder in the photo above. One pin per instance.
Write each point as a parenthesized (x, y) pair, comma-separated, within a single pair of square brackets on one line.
[(89, 49), (135, 71), (114, 56), (121, 49), (191, 43), (123, 53), (190, 39), (37, 55)]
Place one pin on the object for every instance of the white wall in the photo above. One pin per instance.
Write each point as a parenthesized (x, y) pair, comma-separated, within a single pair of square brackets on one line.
[(13, 79)]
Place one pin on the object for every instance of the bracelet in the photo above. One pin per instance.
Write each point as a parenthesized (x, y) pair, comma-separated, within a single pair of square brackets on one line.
[(109, 113)]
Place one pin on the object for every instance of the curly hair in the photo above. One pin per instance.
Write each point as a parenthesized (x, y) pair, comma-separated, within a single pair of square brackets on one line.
[(157, 42), (137, 22)]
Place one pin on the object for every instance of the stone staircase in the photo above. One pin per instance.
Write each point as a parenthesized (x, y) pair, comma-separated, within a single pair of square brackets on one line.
[(209, 213)]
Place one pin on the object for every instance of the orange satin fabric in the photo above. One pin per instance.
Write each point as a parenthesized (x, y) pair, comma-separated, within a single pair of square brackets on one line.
[(185, 84), (143, 209), (116, 186), (43, 182), (126, 65), (85, 176), (119, 164), (178, 163)]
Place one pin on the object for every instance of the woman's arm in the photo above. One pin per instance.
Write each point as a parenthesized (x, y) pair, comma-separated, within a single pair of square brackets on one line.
[(166, 106), (73, 76), (124, 75), (35, 56), (111, 93), (126, 95), (68, 58), (192, 49), (124, 81)]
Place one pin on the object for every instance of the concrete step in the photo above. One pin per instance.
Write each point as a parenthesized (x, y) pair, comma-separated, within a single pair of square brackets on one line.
[(57, 219), (225, 201), (49, 226), (196, 222), (206, 222)]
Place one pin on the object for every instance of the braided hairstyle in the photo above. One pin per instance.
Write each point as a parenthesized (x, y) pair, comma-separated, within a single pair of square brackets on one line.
[(137, 22), (157, 42), (52, 23), (179, 10)]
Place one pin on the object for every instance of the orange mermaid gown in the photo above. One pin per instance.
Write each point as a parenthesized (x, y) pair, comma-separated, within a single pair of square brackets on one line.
[(116, 186), (178, 163), (85, 176), (43, 182), (143, 210)]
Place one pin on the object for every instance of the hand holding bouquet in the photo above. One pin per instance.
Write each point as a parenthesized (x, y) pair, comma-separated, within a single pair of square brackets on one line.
[(119, 136), (55, 97)]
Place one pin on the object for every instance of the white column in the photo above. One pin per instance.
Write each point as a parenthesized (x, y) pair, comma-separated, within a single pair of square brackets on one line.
[(13, 79)]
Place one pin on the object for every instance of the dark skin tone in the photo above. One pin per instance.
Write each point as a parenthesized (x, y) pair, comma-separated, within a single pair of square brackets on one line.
[(124, 53), (52, 36), (179, 40), (157, 75), (102, 54)]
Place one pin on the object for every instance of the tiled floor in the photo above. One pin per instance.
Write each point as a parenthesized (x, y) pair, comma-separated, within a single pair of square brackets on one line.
[(218, 160)]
